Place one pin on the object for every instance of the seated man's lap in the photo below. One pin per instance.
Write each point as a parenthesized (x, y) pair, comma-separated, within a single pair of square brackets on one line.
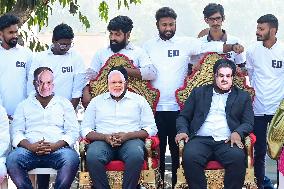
[(103, 152), (204, 149), (54, 160), (228, 155)]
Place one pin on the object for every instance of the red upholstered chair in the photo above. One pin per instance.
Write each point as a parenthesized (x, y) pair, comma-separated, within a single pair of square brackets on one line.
[(214, 171), (150, 176)]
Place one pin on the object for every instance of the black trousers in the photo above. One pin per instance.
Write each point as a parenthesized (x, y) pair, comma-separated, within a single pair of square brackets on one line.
[(260, 131), (166, 124), (199, 150)]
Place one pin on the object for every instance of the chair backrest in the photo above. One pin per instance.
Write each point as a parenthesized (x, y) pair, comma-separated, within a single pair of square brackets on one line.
[(204, 76), (141, 87)]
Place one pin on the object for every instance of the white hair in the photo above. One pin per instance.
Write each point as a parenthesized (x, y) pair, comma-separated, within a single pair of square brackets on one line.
[(115, 72)]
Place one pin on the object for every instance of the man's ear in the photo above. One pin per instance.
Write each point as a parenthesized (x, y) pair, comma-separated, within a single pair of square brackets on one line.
[(223, 18)]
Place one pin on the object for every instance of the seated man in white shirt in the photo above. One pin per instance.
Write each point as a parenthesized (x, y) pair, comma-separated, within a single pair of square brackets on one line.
[(117, 122), (214, 122), (4, 142), (44, 131)]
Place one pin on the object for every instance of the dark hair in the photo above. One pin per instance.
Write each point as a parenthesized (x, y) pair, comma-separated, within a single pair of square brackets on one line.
[(270, 19), (165, 12), (121, 69), (123, 23), (62, 31), (8, 20), (213, 8), (39, 70), (224, 63)]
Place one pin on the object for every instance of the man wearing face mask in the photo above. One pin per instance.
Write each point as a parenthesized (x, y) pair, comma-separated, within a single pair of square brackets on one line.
[(44, 131), (170, 54), (14, 65), (116, 134), (119, 33), (214, 123), (67, 65)]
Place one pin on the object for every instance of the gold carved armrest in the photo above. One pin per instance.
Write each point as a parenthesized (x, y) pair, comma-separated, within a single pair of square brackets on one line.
[(250, 178), (141, 87), (82, 150)]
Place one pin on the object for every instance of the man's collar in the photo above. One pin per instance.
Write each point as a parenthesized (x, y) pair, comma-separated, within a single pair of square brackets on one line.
[(158, 38), (223, 38)]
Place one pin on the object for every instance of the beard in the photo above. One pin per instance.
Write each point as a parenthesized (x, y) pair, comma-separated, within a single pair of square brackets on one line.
[(163, 35), (265, 37), (116, 46), (12, 42)]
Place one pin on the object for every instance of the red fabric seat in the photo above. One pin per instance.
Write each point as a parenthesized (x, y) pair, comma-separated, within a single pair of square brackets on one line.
[(119, 165)]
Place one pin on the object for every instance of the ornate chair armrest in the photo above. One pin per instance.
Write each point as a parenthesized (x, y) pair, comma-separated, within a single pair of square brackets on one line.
[(249, 143), (181, 147), (152, 148), (82, 150), (155, 141)]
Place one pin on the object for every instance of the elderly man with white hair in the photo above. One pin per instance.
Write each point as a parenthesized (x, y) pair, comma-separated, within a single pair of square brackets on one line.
[(116, 134)]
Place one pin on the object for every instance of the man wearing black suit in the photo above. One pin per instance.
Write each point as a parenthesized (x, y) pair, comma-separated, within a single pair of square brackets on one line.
[(214, 122)]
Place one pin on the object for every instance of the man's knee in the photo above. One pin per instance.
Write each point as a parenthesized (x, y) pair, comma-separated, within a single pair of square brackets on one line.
[(96, 155), (191, 157)]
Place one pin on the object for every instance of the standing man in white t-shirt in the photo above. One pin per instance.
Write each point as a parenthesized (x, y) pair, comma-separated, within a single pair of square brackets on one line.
[(171, 55), (67, 65), (265, 64), (214, 16), (68, 70), (119, 33), (14, 65)]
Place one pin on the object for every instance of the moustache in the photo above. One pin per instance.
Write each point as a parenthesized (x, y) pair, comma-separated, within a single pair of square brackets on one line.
[(113, 41)]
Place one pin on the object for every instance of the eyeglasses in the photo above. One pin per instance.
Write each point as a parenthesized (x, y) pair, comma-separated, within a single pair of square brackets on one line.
[(217, 19), (64, 46)]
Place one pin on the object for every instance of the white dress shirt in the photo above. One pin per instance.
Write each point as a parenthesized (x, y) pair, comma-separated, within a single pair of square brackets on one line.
[(215, 124), (266, 72), (136, 54), (4, 136), (171, 59), (107, 116), (14, 68), (57, 121), (68, 70)]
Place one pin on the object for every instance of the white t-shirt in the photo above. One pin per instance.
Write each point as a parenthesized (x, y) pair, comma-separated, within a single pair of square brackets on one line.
[(237, 58), (171, 59), (136, 54), (68, 70), (14, 67), (266, 72)]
